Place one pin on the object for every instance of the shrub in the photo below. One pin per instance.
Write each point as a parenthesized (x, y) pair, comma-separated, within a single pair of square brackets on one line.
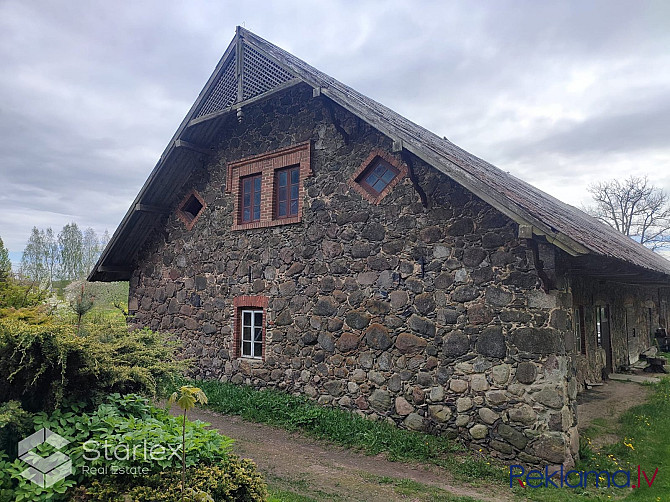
[(234, 480), (130, 420), (43, 363)]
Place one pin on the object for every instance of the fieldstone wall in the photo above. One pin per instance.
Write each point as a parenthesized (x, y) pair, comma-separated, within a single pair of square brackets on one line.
[(431, 317)]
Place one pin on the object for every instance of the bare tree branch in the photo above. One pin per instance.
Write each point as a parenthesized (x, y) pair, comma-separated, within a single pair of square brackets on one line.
[(635, 208)]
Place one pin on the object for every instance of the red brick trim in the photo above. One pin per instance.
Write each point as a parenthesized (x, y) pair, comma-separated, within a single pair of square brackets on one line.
[(267, 164), (399, 165), (185, 217), (247, 302)]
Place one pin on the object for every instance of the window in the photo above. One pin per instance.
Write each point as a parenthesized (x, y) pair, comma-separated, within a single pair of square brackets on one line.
[(287, 185), (579, 330), (377, 175), (268, 188), (190, 208), (250, 320), (252, 333), (251, 198)]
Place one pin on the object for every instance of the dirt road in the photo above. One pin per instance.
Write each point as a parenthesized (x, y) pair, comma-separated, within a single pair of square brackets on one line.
[(325, 472)]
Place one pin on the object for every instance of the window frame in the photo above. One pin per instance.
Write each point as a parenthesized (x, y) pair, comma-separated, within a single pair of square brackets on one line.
[(266, 165), (187, 217), (252, 178), (289, 196), (357, 183), (579, 330), (370, 170), (252, 341), (256, 304)]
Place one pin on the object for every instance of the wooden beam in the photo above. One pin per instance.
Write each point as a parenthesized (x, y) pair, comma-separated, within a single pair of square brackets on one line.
[(114, 269), (148, 208), (246, 102), (180, 143)]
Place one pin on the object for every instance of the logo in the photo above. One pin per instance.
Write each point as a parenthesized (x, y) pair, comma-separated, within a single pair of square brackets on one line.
[(577, 479), (44, 471)]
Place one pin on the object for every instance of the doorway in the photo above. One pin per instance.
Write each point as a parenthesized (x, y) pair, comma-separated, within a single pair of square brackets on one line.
[(604, 335)]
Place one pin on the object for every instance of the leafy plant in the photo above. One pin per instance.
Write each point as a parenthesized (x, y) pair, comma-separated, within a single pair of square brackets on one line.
[(42, 363), (186, 398)]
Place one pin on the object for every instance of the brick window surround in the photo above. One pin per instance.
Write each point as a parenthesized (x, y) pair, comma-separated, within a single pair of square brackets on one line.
[(185, 211), (363, 170), (245, 302), (266, 165)]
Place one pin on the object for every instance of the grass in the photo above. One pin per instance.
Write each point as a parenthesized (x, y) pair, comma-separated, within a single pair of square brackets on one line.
[(347, 429), (419, 491), (643, 439)]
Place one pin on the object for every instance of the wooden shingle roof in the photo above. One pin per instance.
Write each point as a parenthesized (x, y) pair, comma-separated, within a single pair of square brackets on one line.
[(253, 69)]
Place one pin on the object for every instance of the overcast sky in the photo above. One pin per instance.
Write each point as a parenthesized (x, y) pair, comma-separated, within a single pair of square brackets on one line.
[(560, 94)]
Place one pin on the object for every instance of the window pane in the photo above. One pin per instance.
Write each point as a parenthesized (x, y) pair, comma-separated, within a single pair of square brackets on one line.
[(258, 350), (257, 213), (258, 335), (246, 349), (282, 209), (388, 176), (294, 207), (283, 178), (295, 176), (258, 318), (246, 318), (246, 333), (257, 183), (379, 185), (282, 194), (379, 170), (294, 191)]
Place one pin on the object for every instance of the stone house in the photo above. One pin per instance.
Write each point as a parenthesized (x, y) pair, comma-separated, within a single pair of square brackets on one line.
[(296, 234)]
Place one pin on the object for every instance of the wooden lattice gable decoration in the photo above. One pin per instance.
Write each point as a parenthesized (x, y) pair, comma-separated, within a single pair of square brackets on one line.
[(244, 75)]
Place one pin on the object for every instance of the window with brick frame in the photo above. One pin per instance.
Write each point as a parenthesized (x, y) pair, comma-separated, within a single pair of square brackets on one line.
[(190, 208), (250, 326), (281, 175), (377, 175)]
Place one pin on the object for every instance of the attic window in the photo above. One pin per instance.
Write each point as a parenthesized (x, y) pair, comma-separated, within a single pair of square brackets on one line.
[(377, 175), (190, 209)]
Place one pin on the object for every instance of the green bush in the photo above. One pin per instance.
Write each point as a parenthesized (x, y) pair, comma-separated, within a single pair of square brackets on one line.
[(130, 421), (15, 423), (17, 294), (44, 363), (234, 480)]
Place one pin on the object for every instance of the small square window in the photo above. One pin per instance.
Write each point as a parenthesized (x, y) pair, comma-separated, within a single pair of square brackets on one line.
[(250, 194), (190, 209), (378, 176), (287, 183)]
